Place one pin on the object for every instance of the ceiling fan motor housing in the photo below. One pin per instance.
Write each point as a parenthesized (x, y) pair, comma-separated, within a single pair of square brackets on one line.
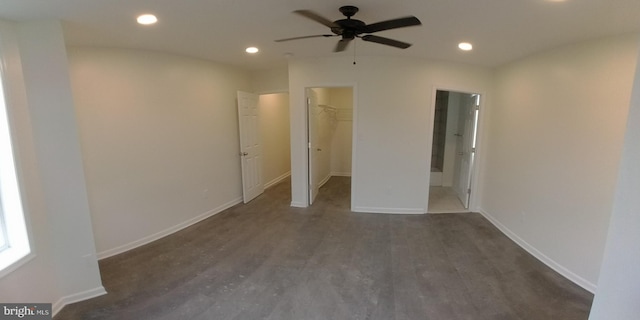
[(349, 28)]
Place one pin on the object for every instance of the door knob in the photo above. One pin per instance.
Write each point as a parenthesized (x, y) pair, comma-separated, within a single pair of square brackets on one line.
[(244, 154)]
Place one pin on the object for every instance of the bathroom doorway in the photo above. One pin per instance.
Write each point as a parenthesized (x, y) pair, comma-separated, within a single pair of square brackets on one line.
[(453, 152)]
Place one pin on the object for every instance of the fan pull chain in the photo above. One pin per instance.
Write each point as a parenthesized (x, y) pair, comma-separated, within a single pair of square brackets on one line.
[(354, 52)]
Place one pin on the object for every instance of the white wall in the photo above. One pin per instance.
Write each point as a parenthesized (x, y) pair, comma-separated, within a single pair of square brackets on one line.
[(270, 80), (159, 137), (554, 136), (274, 128), (64, 268), (619, 283), (392, 123)]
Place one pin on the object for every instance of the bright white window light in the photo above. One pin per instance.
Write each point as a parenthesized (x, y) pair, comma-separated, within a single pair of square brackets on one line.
[(466, 46), (251, 50), (15, 242), (147, 19)]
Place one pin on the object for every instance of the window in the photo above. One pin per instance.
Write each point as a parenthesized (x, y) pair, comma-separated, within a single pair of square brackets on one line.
[(14, 240), (3, 234)]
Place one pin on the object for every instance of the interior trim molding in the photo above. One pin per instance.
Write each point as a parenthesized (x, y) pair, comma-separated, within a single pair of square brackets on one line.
[(277, 180), (557, 267), (389, 210), (324, 181), (76, 297), (298, 204), (150, 238)]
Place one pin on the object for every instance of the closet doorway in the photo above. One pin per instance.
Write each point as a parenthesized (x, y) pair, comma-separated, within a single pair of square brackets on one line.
[(453, 151), (330, 136)]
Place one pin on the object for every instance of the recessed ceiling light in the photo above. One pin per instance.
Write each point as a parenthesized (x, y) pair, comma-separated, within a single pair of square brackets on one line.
[(251, 50), (466, 46), (147, 19)]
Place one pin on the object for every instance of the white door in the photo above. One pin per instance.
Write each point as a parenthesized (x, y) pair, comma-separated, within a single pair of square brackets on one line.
[(314, 145), (466, 147), (250, 149)]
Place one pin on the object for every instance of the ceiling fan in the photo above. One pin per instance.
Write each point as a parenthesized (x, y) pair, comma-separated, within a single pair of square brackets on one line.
[(350, 29)]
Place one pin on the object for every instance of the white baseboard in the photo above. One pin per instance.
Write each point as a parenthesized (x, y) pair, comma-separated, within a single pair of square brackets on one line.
[(341, 174), (389, 210), (297, 204), (120, 249), (324, 181), (80, 296), (582, 282), (277, 180)]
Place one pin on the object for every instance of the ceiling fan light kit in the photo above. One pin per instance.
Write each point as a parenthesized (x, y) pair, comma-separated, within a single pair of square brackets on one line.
[(349, 29)]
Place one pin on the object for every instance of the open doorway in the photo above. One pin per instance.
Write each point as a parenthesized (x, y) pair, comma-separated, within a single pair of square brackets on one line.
[(276, 138), (453, 151), (330, 136), (265, 144)]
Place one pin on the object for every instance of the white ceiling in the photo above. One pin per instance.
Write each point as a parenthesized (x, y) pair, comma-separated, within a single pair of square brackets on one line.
[(219, 30)]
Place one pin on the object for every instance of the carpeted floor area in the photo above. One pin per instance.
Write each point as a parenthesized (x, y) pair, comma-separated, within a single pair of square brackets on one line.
[(267, 260)]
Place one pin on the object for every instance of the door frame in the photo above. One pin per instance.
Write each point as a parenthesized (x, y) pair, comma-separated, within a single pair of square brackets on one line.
[(311, 96), (478, 158), (353, 137)]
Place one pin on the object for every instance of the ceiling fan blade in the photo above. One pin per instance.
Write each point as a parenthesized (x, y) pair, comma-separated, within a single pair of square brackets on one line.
[(392, 24), (306, 37), (342, 45), (386, 41), (317, 18)]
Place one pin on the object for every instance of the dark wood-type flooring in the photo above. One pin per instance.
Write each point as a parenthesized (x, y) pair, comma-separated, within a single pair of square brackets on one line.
[(267, 260)]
